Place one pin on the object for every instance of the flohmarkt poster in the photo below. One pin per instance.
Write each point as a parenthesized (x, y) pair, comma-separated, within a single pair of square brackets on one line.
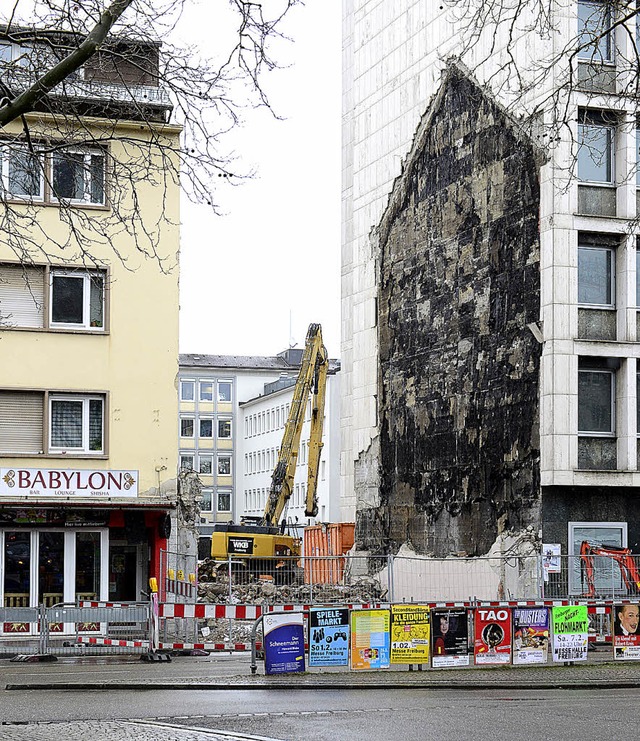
[(530, 635), (410, 634), (570, 633), (370, 639), (328, 636)]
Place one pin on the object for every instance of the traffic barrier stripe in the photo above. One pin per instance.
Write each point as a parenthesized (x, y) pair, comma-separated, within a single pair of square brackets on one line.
[(93, 640)]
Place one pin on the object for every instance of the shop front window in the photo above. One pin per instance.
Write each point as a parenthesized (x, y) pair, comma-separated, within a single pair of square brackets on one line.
[(17, 569), (87, 566), (51, 569)]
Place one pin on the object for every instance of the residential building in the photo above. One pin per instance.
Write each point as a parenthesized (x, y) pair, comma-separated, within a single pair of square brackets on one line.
[(264, 419), (212, 423), (87, 387), (490, 334)]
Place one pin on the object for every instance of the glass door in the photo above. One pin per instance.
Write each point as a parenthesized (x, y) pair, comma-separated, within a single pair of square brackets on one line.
[(17, 569)]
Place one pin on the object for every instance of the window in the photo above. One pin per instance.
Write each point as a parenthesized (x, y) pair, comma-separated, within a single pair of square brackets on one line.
[(206, 390), (205, 464), (79, 176), (186, 462), (596, 285), (596, 133), (206, 428), (187, 390), (224, 501), (186, 426), (22, 172), (594, 35), (607, 577), (207, 499), (224, 465), (21, 422), (22, 296), (77, 299), (596, 394), (224, 428), (76, 423), (224, 390)]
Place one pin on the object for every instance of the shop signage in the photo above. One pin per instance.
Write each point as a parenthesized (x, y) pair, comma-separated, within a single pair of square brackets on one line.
[(329, 636), (283, 643), (40, 482)]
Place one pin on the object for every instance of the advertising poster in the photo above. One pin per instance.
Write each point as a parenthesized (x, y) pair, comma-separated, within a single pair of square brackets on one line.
[(328, 636), (283, 642), (492, 635), (570, 633), (410, 634), (626, 639), (370, 639), (530, 635), (450, 637), (551, 559)]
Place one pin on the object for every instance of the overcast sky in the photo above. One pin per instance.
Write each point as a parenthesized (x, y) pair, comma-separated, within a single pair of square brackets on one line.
[(276, 252)]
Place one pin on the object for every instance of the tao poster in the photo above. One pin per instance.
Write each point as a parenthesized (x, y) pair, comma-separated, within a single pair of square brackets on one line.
[(450, 637), (492, 635), (570, 633), (530, 635), (283, 642), (370, 639), (328, 636), (626, 639), (410, 634)]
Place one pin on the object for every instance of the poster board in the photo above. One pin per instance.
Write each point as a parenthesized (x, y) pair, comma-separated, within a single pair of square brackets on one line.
[(328, 636), (492, 632), (530, 635), (626, 638), (410, 633), (570, 633), (370, 639), (449, 637), (283, 642)]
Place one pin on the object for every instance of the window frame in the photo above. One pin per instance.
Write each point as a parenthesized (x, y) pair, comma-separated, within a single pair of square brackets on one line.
[(228, 421), (219, 383), (575, 557), (200, 421), (87, 153), (592, 51), (612, 399), (187, 418), (226, 493), (596, 119), (87, 276), (86, 418), (187, 381), (612, 275), (205, 456), (225, 457), (182, 456), (207, 490), (202, 382), (5, 162)]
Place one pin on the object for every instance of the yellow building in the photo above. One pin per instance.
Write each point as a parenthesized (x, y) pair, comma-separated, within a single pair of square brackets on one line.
[(88, 334)]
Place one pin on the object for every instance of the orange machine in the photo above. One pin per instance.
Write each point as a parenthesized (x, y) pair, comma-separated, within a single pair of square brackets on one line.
[(622, 556)]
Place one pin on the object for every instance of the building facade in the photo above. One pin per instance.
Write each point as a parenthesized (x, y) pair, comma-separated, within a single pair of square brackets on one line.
[(515, 349), (87, 401), (264, 419)]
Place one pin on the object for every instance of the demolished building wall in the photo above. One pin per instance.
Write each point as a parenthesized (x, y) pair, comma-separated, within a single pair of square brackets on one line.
[(458, 283)]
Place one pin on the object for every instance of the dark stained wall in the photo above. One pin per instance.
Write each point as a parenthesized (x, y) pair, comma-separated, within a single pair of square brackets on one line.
[(459, 280)]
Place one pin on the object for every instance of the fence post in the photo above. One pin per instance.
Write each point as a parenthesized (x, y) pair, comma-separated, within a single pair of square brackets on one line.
[(44, 644), (390, 577)]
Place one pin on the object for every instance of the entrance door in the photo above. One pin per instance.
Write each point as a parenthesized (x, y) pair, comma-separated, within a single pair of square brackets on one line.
[(124, 573)]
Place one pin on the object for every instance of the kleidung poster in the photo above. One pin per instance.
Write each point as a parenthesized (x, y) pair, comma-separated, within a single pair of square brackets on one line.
[(410, 634)]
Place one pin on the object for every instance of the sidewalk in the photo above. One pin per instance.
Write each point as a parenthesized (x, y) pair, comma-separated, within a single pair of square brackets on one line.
[(232, 672)]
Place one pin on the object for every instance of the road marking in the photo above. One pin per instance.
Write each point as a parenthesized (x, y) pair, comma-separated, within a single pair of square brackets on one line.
[(232, 735)]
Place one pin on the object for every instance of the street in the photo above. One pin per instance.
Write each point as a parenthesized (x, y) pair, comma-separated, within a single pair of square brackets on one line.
[(323, 715)]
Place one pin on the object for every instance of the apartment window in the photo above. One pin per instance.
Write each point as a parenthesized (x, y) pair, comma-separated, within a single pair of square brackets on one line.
[(224, 465), (596, 402), (207, 499), (186, 462), (596, 133), (186, 426), (187, 390), (205, 464), (206, 428), (607, 577), (595, 40), (77, 299), (76, 423), (79, 176), (22, 172), (21, 422), (596, 276), (224, 390), (224, 501), (224, 428), (206, 390)]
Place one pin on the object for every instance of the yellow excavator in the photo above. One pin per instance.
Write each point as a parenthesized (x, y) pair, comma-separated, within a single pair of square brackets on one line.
[(262, 545)]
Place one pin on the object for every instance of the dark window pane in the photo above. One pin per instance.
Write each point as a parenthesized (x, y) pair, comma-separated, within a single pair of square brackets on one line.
[(224, 428), (96, 301), (95, 424), (186, 428), (595, 162), (96, 173), (66, 424), (224, 466), (594, 276), (51, 568), (24, 173), (594, 19), (594, 401), (206, 464), (88, 566), (224, 391), (17, 569), (224, 501), (206, 500), (67, 299), (68, 176), (206, 428)]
